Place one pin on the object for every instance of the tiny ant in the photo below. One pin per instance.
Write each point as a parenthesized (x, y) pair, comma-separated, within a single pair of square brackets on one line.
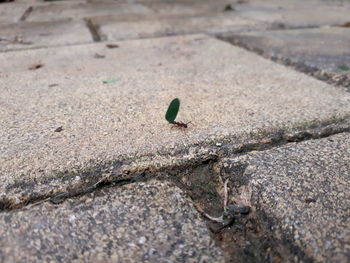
[(171, 114), (179, 124)]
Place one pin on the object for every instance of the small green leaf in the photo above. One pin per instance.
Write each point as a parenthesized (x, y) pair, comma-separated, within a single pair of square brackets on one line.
[(110, 81), (172, 111), (343, 67)]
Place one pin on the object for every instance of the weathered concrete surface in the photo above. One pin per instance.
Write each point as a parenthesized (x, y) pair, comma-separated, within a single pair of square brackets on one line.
[(322, 52), (289, 13), (56, 11), (19, 10), (302, 191), (138, 222), (173, 18), (42, 34), (11, 12), (186, 7), (227, 92), (63, 129), (114, 28)]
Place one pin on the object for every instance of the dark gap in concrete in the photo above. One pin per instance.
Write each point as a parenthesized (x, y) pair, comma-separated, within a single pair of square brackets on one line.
[(103, 39), (329, 77), (282, 138), (45, 47), (94, 30), (200, 183), (26, 13), (267, 139), (251, 237), (58, 198), (243, 236), (111, 173), (281, 26), (284, 242)]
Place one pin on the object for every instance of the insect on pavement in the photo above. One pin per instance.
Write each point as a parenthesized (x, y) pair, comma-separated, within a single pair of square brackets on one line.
[(171, 114)]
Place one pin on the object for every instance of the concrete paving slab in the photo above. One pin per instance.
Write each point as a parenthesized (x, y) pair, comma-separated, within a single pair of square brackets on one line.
[(322, 52), (19, 10), (140, 222), (178, 7), (301, 191), (52, 12), (295, 14), (113, 28), (44, 2), (26, 35), (186, 7), (227, 92), (181, 2), (11, 12)]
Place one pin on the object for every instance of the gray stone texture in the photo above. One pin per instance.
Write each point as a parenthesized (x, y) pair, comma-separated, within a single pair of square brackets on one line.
[(56, 11), (115, 28), (316, 50), (140, 222), (27, 35), (186, 8), (227, 92), (73, 113), (295, 14), (303, 190), (11, 12)]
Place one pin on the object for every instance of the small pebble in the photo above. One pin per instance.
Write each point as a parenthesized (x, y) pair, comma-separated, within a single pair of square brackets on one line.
[(239, 209), (142, 240)]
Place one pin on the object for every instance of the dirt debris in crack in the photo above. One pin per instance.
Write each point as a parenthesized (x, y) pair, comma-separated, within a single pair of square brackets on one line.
[(279, 138), (238, 230), (241, 234), (197, 181), (58, 198), (205, 151), (249, 237), (94, 30), (26, 13), (244, 231)]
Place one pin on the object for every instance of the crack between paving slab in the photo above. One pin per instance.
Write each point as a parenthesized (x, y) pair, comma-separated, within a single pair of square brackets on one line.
[(275, 26), (46, 47), (329, 77), (26, 13), (243, 237), (133, 170), (94, 30), (253, 236), (286, 239), (103, 40)]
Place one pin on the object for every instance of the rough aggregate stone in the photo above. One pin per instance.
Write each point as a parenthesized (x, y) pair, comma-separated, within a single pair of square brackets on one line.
[(114, 28), (227, 92), (52, 12), (66, 110), (295, 14), (140, 222), (319, 51), (28, 35), (11, 12), (303, 189)]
